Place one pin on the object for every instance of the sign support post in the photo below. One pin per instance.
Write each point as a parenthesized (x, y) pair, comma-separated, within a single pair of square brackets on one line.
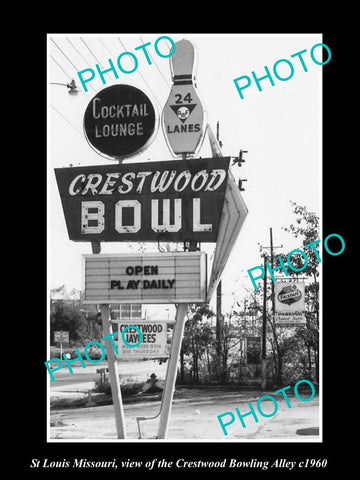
[(101, 218), (263, 348), (172, 370), (113, 373)]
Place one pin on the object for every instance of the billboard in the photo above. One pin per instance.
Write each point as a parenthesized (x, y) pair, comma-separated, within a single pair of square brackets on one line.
[(172, 277), (290, 303), (176, 200)]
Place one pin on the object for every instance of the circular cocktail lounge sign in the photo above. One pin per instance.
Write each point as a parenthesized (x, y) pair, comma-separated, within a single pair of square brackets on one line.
[(120, 121)]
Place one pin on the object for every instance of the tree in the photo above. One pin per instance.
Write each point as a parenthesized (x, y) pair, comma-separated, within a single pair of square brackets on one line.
[(303, 344), (198, 341), (306, 227), (67, 314)]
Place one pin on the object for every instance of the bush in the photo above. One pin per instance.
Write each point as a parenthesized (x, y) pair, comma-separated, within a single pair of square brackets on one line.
[(128, 387), (95, 352), (103, 386)]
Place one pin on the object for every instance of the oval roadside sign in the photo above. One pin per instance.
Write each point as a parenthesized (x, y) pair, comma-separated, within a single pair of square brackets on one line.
[(120, 121)]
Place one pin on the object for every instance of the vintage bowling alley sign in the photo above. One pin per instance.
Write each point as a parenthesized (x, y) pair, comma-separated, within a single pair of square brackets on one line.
[(183, 117), (120, 121), (176, 200), (176, 277)]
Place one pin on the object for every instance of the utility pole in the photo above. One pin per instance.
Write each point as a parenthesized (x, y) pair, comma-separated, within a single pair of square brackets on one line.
[(219, 317), (219, 330), (263, 356), (272, 266), (263, 348)]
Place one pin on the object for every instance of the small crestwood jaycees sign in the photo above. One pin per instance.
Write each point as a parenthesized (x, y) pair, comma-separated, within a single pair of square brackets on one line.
[(177, 277), (142, 339)]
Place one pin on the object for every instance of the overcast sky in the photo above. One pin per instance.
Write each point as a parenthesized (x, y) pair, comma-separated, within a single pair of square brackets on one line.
[(280, 127)]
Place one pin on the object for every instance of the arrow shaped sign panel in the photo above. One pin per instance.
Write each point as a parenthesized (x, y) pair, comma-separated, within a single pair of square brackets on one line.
[(232, 218)]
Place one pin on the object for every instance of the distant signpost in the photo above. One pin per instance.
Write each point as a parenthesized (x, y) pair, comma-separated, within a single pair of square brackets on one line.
[(61, 337)]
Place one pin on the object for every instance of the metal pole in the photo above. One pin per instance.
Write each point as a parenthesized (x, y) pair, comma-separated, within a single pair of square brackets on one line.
[(219, 317), (272, 283), (263, 353), (113, 373), (219, 331), (172, 370), (111, 359)]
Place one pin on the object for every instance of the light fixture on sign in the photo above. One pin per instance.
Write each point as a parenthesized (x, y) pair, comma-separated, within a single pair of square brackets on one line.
[(73, 90)]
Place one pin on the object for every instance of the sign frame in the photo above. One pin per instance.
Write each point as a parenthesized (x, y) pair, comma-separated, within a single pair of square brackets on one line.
[(138, 353), (104, 298)]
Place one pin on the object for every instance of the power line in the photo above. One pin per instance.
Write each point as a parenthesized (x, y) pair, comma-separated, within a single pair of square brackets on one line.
[(87, 63), (67, 58), (58, 64), (86, 45), (156, 65), (153, 94), (66, 120), (95, 57), (103, 44), (141, 75)]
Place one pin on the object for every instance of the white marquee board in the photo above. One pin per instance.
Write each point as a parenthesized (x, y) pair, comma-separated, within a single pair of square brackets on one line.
[(171, 277)]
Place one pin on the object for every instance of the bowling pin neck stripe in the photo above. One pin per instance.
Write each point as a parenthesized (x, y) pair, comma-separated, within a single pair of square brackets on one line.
[(182, 79)]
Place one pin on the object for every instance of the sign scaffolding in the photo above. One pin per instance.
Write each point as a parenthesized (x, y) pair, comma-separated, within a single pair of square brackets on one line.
[(185, 200)]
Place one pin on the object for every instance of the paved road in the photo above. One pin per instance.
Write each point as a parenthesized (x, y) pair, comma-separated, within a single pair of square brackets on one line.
[(193, 418), (139, 371), (194, 412)]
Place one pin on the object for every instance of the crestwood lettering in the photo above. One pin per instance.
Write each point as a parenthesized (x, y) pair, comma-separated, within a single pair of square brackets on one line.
[(180, 200), (155, 181)]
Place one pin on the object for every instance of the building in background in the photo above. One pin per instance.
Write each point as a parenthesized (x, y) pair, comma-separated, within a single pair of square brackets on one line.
[(128, 312)]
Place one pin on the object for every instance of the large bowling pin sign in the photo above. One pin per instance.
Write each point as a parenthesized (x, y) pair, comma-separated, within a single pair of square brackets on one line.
[(183, 117)]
